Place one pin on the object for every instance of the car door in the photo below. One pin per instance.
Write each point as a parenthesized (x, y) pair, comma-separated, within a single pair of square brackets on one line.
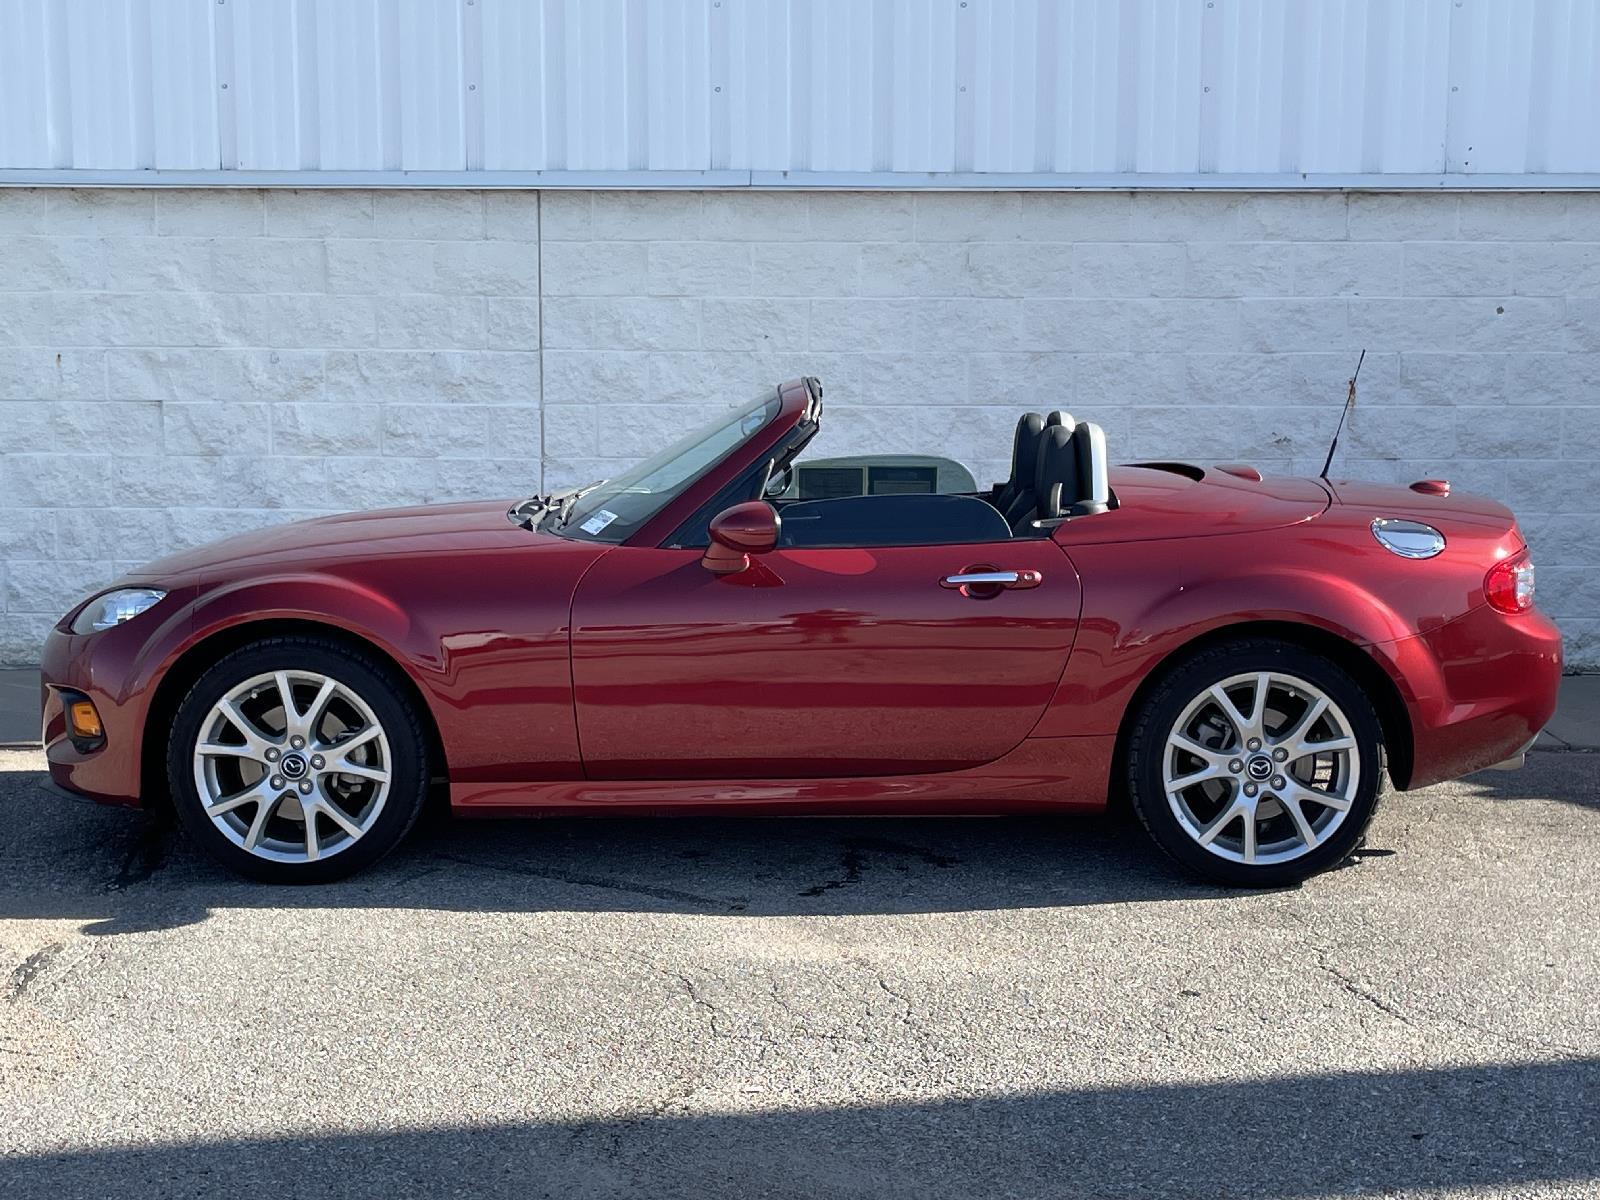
[(817, 662)]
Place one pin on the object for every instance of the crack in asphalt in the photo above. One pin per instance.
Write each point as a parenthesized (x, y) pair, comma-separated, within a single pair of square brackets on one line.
[(29, 970), (1361, 992), (692, 989)]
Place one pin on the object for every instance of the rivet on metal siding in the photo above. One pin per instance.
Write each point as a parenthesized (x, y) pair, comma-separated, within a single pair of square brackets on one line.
[(716, 89)]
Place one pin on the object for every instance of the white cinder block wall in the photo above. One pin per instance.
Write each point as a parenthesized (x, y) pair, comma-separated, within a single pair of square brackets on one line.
[(176, 365)]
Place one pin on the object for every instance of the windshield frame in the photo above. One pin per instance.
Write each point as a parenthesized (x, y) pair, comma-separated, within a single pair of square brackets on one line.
[(589, 514)]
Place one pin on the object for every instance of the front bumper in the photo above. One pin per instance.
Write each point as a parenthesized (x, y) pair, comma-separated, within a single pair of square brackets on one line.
[(100, 667), (1481, 688)]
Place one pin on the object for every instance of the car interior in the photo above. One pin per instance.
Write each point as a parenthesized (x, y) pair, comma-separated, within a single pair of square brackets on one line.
[(1058, 473)]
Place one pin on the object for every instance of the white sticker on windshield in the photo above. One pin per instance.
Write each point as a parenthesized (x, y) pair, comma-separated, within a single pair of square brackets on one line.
[(598, 522)]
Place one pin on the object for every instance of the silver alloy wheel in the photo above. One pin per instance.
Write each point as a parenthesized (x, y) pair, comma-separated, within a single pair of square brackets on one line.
[(1261, 768), (292, 766)]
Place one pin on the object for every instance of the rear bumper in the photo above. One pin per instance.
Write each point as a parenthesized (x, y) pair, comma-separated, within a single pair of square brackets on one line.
[(109, 772), (1480, 688)]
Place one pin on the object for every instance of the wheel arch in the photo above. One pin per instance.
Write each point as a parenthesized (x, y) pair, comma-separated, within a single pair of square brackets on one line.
[(1380, 687), (184, 671)]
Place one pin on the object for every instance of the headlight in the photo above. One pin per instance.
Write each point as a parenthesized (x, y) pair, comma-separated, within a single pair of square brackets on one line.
[(114, 608)]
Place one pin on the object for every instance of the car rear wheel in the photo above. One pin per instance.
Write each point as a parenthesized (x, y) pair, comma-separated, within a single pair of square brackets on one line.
[(297, 760), (1256, 763)]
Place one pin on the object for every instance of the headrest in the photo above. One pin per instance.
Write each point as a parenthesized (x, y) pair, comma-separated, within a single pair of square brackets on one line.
[(1055, 479), (1063, 419), (1025, 446), (1089, 453)]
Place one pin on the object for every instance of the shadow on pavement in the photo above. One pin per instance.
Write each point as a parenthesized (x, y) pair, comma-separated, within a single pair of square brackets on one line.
[(124, 871), (1498, 1126)]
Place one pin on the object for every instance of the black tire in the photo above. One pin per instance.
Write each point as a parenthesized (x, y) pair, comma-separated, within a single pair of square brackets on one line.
[(1188, 680), (375, 682)]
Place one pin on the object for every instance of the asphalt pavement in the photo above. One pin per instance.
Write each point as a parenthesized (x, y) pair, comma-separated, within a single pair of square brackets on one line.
[(823, 1008)]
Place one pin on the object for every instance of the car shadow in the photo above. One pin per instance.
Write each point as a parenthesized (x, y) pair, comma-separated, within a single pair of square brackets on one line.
[(1501, 1127), (121, 870)]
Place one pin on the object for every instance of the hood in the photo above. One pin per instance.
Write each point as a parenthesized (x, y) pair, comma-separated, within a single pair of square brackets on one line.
[(426, 529)]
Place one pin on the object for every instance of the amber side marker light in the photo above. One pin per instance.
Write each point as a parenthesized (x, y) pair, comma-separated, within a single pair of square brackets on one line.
[(84, 720)]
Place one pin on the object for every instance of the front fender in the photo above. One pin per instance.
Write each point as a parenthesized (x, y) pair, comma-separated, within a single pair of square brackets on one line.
[(344, 604)]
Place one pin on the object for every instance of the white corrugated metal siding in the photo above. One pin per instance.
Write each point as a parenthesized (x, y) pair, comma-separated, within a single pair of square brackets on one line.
[(900, 92)]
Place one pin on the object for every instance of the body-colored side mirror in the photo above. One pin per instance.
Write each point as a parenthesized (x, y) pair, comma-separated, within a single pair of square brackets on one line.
[(737, 533)]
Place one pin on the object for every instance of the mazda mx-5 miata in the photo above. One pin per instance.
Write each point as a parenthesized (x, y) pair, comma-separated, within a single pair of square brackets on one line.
[(1244, 657)]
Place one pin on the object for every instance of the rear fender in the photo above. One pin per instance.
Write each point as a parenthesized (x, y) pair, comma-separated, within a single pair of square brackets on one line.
[(1127, 632)]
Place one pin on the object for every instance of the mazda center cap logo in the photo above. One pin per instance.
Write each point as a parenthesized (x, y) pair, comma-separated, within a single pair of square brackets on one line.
[(293, 765), (1259, 768)]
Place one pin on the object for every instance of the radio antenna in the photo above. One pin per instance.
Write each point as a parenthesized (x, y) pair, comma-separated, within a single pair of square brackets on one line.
[(1349, 403)]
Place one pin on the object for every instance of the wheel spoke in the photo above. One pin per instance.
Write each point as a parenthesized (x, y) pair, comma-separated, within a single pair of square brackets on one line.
[(313, 714), (1307, 749), (337, 816), (254, 737), (346, 745), (1258, 707), (223, 750), (264, 809), (313, 838), (1209, 771), (360, 771), (1300, 792), (291, 714), (1291, 805), (1222, 821), (1249, 846), (1239, 721), (1296, 735), (255, 794)]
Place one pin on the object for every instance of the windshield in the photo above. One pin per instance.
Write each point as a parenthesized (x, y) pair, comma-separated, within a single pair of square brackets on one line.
[(612, 510)]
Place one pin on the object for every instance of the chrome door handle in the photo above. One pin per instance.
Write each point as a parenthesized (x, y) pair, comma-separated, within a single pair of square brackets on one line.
[(1001, 579)]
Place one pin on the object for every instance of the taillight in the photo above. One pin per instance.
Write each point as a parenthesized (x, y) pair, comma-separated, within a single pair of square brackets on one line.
[(1509, 584)]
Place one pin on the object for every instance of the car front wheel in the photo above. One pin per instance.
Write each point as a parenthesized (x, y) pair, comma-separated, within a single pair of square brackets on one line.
[(297, 760), (1256, 763)]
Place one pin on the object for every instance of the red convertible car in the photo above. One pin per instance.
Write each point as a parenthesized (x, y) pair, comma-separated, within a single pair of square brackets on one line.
[(1245, 657)]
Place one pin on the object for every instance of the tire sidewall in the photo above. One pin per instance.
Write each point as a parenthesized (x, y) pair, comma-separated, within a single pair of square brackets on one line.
[(1177, 690), (407, 750)]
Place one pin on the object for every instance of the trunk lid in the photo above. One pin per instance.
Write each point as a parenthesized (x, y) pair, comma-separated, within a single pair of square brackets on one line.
[(1399, 500)]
